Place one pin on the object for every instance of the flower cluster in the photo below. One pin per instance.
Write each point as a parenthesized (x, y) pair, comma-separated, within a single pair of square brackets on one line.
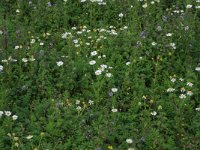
[(182, 88), (8, 114)]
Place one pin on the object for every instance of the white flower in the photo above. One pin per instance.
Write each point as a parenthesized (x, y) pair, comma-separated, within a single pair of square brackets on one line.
[(189, 93), (128, 63), (129, 141), (173, 80), (17, 47), (77, 102), (154, 113), (94, 53), (91, 102), (75, 41), (59, 63), (182, 96), (197, 68), (14, 117), (7, 113), (189, 6), (114, 110), (17, 11), (197, 109), (1, 68), (108, 75), (92, 62), (41, 44), (29, 137), (145, 5), (98, 72), (114, 90), (83, 1), (25, 60), (1, 32), (153, 43), (78, 108), (121, 15), (181, 79), (190, 84), (32, 41), (170, 90), (169, 34), (104, 56)]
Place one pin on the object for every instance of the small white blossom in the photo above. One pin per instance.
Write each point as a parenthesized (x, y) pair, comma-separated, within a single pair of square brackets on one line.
[(197, 68), (190, 84), (114, 110), (78, 108), (169, 34), (17, 47), (182, 96), (197, 109), (121, 15), (92, 62), (153, 43), (91, 102), (14, 117), (189, 6), (154, 113), (32, 41), (114, 90), (77, 102), (94, 53), (170, 90), (108, 75), (25, 60), (29, 137), (189, 93), (173, 80), (98, 72), (1, 68), (7, 113), (128, 63), (59, 63), (129, 141)]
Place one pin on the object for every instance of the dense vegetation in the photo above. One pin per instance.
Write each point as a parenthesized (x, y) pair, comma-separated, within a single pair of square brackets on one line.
[(99, 75)]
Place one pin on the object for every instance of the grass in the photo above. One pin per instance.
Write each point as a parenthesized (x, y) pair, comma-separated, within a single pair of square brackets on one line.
[(103, 75)]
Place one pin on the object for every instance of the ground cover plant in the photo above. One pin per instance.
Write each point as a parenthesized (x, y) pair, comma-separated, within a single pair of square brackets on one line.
[(99, 75)]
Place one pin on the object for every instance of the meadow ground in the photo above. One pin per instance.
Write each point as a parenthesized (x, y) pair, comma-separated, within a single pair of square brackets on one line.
[(100, 75)]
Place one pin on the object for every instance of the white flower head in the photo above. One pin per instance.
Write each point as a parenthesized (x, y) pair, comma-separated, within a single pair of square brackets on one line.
[(128, 63), (7, 113), (29, 137), (79, 108), (98, 72), (189, 6), (182, 96), (94, 53), (108, 75), (190, 84), (1, 68), (121, 15), (154, 113), (59, 63), (25, 60), (92, 62), (14, 117), (91, 102), (197, 68), (114, 110), (114, 90), (129, 141)]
